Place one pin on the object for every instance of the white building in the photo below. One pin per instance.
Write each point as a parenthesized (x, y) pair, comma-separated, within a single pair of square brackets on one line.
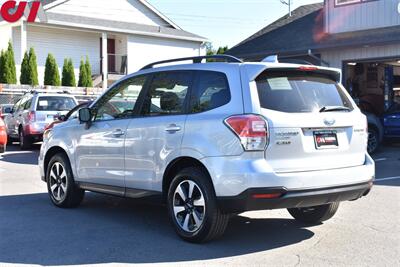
[(118, 36)]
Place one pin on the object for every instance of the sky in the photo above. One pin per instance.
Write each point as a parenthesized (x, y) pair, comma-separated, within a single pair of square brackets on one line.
[(224, 22)]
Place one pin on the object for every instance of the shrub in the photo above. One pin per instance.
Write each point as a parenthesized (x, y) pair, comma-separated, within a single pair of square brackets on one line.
[(1, 66), (68, 74), (51, 74), (89, 73), (85, 74), (24, 77), (33, 72), (8, 69), (29, 73)]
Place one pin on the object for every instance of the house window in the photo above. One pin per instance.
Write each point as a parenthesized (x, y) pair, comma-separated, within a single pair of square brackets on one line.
[(348, 2)]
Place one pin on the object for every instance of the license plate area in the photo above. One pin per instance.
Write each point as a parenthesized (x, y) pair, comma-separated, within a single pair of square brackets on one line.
[(326, 139)]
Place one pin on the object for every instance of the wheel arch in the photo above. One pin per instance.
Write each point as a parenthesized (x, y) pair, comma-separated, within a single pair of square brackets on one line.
[(178, 164), (50, 153)]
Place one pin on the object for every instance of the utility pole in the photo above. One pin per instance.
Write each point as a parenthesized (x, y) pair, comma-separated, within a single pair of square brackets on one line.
[(289, 4)]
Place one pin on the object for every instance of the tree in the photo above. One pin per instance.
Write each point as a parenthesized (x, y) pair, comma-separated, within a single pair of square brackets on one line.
[(51, 74), (8, 73), (29, 73), (1, 66), (33, 72), (221, 50), (85, 74), (211, 51), (68, 74), (24, 77), (82, 74), (89, 82)]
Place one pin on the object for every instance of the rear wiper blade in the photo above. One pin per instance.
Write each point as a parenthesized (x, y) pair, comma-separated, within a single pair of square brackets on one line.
[(333, 108)]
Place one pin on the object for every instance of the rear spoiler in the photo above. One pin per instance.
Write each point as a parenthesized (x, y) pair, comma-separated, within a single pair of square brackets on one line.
[(253, 71)]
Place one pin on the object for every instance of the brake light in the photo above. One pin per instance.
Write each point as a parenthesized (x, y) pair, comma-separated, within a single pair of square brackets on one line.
[(252, 130), (31, 116), (307, 68)]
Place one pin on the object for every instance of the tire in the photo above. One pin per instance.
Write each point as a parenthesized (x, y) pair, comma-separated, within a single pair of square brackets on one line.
[(2, 149), (373, 140), (314, 215), (9, 140), (24, 140), (205, 221), (61, 186)]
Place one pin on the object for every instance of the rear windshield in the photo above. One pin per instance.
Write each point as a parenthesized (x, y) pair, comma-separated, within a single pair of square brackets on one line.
[(298, 91), (55, 103)]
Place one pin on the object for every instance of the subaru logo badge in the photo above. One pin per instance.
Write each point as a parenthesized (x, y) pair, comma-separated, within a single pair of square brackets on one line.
[(329, 122)]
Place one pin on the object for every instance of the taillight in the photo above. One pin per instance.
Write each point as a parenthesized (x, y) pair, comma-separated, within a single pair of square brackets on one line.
[(252, 130), (31, 116), (308, 68)]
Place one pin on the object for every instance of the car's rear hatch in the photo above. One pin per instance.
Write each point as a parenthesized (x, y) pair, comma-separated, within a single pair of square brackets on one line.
[(48, 108), (312, 122)]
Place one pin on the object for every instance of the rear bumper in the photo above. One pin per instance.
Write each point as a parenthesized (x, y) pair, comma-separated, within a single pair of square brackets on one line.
[(249, 199)]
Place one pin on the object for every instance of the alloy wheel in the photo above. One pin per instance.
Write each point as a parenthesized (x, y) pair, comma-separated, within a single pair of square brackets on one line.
[(372, 141), (189, 206), (58, 181)]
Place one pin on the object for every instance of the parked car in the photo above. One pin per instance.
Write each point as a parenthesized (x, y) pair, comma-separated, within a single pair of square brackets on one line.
[(33, 112), (383, 128), (391, 122), (5, 110), (227, 137), (3, 136), (72, 114)]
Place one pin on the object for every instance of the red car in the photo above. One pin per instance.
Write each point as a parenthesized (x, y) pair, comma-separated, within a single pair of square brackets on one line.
[(3, 136)]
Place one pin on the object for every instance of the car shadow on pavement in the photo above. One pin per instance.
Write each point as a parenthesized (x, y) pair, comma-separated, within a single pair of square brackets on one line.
[(16, 155), (113, 230)]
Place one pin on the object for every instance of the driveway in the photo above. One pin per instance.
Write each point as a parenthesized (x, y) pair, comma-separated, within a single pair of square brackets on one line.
[(108, 230)]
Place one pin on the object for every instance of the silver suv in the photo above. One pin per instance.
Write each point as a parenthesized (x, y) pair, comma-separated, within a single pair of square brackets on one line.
[(33, 112), (214, 139)]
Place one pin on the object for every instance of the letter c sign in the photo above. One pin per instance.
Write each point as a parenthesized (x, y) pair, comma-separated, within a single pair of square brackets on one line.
[(12, 13)]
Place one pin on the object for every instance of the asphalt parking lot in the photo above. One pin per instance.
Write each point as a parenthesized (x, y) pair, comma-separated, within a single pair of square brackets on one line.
[(108, 231)]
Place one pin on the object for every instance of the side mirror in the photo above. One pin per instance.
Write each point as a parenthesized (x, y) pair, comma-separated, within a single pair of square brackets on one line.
[(85, 115), (61, 118)]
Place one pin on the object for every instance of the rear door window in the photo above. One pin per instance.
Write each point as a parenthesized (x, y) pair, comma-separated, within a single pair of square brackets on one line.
[(211, 91), (167, 93), (55, 103), (299, 91)]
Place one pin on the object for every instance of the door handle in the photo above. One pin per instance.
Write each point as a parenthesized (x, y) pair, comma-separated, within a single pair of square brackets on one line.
[(173, 128), (118, 133)]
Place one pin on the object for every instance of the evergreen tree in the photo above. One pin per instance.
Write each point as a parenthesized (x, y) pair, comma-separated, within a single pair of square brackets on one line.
[(33, 71), (68, 74), (1, 66), (89, 81), (51, 74), (9, 73), (82, 74), (24, 77), (29, 73)]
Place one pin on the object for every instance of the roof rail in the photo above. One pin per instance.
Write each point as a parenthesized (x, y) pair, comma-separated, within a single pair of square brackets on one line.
[(226, 58)]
